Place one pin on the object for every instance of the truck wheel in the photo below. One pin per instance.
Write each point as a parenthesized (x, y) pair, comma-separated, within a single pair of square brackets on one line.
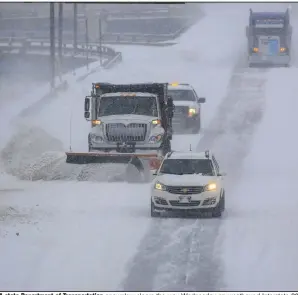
[(153, 212)]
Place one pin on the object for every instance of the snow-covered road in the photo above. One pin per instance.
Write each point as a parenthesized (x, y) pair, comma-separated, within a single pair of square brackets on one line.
[(70, 235)]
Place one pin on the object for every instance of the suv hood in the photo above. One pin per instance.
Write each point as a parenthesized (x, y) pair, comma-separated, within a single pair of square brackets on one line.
[(185, 180), (126, 119), (182, 103)]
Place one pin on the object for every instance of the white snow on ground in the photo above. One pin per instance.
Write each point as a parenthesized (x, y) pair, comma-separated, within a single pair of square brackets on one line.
[(259, 236), (55, 240)]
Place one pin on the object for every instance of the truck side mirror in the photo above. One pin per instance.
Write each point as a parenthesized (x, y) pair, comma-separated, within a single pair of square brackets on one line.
[(202, 100), (87, 107)]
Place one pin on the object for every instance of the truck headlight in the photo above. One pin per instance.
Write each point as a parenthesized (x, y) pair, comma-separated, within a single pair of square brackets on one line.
[(191, 112), (155, 138), (156, 122), (210, 187), (159, 186)]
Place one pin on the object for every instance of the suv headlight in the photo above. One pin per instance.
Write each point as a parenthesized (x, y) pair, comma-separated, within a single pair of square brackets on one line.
[(155, 138), (159, 186), (210, 187)]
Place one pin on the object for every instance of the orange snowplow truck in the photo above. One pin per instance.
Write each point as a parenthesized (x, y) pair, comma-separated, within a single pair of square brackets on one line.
[(130, 124)]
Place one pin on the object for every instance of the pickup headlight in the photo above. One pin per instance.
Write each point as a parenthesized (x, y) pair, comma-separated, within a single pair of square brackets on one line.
[(155, 138), (210, 187), (191, 112), (159, 186)]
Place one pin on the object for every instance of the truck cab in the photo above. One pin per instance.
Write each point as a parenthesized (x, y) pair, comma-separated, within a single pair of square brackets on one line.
[(128, 118), (269, 38)]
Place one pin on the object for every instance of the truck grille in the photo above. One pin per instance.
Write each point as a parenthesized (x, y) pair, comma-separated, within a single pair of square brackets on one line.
[(181, 111), (190, 204), (186, 190), (118, 132)]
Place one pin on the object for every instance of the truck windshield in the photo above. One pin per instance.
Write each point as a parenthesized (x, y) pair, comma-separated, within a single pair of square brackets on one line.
[(269, 26), (126, 105), (182, 95), (187, 166)]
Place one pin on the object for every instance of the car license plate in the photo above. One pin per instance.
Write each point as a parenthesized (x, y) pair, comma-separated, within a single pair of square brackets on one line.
[(184, 199)]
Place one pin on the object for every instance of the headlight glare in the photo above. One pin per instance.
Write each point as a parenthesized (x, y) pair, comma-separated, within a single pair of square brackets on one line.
[(159, 186), (156, 122), (211, 187), (191, 112)]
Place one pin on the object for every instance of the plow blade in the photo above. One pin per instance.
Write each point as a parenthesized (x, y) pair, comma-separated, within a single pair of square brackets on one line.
[(117, 158)]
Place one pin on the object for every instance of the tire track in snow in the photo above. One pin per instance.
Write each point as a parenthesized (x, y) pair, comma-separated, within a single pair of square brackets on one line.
[(182, 254)]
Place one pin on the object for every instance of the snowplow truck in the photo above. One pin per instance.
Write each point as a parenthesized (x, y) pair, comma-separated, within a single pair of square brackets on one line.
[(269, 37), (130, 124)]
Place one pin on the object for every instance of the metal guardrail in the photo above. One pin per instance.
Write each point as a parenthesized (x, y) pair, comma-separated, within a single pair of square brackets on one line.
[(24, 46), (113, 38)]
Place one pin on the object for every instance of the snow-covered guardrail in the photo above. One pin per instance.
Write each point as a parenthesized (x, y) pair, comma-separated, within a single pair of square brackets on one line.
[(24, 46)]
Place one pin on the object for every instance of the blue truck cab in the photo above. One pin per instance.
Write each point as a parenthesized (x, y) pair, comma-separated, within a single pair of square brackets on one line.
[(269, 38)]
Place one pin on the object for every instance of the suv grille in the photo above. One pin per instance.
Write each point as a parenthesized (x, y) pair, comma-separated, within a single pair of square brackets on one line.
[(190, 204), (118, 132), (186, 190)]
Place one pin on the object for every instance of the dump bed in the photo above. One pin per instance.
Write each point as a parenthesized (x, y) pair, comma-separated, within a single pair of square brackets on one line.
[(160, 89)]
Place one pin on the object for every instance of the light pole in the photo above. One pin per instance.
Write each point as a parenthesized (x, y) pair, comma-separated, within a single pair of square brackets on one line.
[(75, 26), (60, 32), (87, 41), (100, 39), (52, 41)]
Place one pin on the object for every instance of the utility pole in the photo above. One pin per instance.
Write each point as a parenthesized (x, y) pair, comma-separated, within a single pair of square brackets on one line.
[(75, 26), (52, 40), (87, 41), (60, 32), (100, 39)]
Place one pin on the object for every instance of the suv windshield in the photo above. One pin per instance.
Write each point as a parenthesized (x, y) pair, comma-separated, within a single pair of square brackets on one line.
[(182, 95), (126, 105), (187, 166)]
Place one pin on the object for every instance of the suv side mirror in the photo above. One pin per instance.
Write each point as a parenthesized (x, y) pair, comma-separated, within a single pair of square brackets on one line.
[(202, 100)]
